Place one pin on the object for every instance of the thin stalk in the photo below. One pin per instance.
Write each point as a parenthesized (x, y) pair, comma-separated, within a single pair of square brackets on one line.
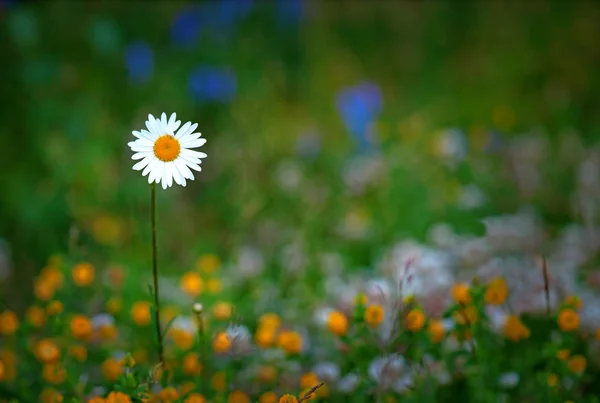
[(198, 310), (155, 273), (546, 284)]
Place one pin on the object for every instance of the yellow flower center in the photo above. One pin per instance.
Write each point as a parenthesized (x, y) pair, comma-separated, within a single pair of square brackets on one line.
[(167, 148)]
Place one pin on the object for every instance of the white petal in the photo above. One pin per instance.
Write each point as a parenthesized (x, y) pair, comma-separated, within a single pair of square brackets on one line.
[(141, 164), (150, 166), (191, 129), (165, 182), (186, 158), (185, 171), (194, 144), (143, 134), (172, 118), (183, 130), (176, 175), (173, 128), (152, 137), (195, 167), (169, 169), (192, 153), (139, 156), (138, 148), (163, 119)]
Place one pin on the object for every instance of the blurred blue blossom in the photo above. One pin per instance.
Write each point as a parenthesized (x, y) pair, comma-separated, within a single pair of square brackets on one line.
[(359, 106), (222, 15), (139, 61), (104, 36), (290, 12), (186, 26), (212, 84)]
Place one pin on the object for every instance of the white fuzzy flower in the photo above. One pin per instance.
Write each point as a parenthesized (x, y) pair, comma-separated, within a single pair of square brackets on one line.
[(165, 152), (349, 383)]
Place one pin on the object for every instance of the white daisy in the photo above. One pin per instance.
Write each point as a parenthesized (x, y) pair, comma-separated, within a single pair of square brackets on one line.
[(165, 152)]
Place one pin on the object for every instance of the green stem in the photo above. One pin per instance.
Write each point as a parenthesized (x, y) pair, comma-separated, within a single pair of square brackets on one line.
[(155, 273), (203, 351)]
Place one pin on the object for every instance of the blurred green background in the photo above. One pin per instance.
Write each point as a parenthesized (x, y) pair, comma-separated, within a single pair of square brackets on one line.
[(292, 96)]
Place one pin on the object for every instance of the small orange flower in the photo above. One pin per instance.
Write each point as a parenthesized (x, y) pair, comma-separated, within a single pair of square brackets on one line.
[(140, 313), (577, 364), (168, 394), (268, 397), (191, 364), (552, 380), (208, 263), (54, 308), (46, 351), (182, 338), (81, 327), (43, 291), (191, 283), (50, 395), (361, 299), (415, 320), (265, 337), (111, 369), (290, 342), (337, 323), (222, 310), (574, 301), (78, 352), (9, 323), (83, 274), (598, 334), (287, 398), (218, 381), (52, 277), (374, 315), (467, 315), (214, 285), (496, 292), (9, 365), (97, 399), (221, 343), (107, 332), (309, 380), (237, 396), (117, 397), (568, 320), (563, 354), (461, 293), (436, 330), (270, 321), (114, 305), (36, 316), (54, 373), (195, 398), (514, 329)]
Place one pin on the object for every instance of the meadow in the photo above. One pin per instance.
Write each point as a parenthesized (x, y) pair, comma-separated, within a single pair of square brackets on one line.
[(388, 202)]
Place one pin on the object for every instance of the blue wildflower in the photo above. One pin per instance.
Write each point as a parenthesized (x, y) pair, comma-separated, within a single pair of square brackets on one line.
[(139, 61), (359, 106), (186, 26), (212, 84)]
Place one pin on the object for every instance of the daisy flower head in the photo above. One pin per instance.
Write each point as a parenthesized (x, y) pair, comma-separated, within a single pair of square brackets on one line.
[(165, 150)]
